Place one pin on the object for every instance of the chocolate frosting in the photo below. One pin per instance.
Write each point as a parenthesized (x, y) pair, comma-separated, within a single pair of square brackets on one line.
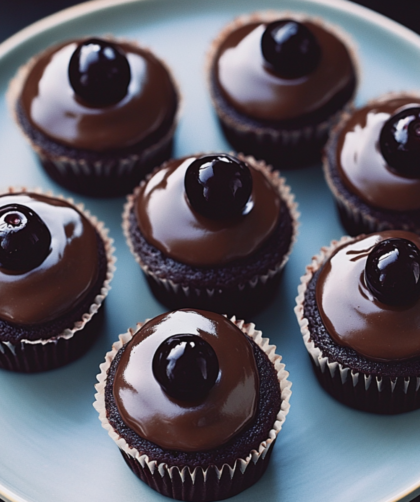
[(169, 223), (178, 425), (64, 278), (52, 107), (360, 162), (353, 317), (256, 91)]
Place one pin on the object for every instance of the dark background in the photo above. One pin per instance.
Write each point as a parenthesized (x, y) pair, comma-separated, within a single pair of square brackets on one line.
[(16, 14)]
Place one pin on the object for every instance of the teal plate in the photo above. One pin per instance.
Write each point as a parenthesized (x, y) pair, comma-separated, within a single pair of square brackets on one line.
[(52, 446)]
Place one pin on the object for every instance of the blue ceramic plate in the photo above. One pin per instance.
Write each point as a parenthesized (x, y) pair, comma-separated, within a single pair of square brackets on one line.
[(52, 446)]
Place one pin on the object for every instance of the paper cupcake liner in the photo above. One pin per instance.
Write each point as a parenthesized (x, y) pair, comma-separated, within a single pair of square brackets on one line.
[(354, 219), (357, 218), (203, 483), (365, 391), (261, 286), (109, 177), (106, 175), (65, 346), (242, 135)]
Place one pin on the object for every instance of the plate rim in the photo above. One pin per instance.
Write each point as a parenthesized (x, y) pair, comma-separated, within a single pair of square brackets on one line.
[(88, 7), (91, 6)]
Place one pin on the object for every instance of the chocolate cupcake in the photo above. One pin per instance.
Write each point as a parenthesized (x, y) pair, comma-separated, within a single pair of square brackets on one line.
[(358, 310), (371, 165), (56, 264), (99, 113), (168, 396), (278, 82), (212, 232)]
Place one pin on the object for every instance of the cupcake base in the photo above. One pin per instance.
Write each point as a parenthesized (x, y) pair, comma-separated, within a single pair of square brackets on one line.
[(286, 143), (356, 215), (240, 287), (205, 487), (48, 345), (245, 299), (210, 475), (385, 396), (95, 174), (280, 144), (104, 172), (26, 357), (376, 387)]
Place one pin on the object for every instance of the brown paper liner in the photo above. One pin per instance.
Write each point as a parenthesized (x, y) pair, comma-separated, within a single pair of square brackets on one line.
[(282, 147), (358, 218), (44, 354), (203, 483), (103, 177), (364, 391), (256, 292)]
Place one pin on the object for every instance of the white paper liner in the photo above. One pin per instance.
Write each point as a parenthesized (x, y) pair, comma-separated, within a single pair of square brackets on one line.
[(68, 333), (267, 135), (287, 197), (121, 167), (322, 362), (357, 215), (185, 472)]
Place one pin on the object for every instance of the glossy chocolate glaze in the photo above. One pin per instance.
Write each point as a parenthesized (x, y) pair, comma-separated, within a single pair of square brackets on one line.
[(353, 317), (169, 223), (253, 89), (178, 425), (66, 275), (52, 107), (361, 165)]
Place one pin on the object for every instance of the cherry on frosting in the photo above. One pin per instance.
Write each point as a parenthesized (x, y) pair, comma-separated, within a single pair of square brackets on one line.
[(186, 367), (392, 272), (24, 238), (218, 186), (400, 142), (290, 48), (99, 72)]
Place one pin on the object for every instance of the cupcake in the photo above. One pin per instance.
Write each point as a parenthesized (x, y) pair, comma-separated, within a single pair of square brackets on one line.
[(278, 82), (56, 264), (212, 232), (358, 307), (168, 396), (371, 165), (99, 113)]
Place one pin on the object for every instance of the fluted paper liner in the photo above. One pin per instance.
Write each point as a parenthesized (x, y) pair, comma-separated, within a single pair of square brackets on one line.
[(332, 368), (287, 198), (268, 135), (29, 346), (186, 473)]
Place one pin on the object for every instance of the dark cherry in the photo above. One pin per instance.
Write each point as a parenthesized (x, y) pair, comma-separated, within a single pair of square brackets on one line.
[(99, 72), (400, 142), (186, 367), (290, 48), (24, 238), (218, 186), (392, 272)]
